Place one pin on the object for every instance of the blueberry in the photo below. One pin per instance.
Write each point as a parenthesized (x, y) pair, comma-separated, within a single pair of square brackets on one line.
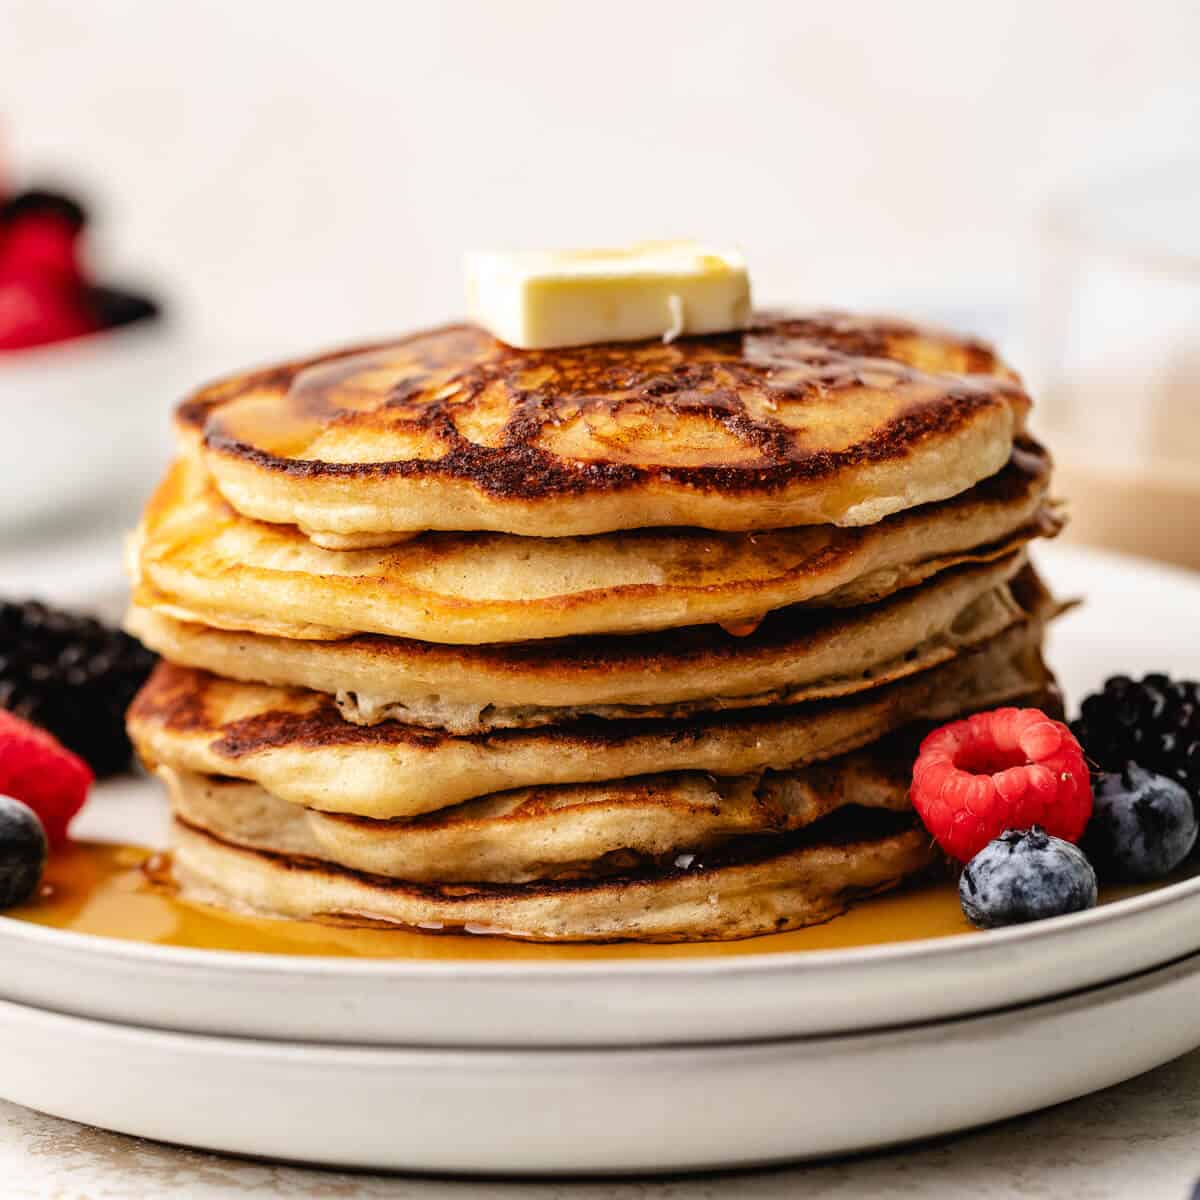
[(22, 852), (1143, 825), (1025, 875)]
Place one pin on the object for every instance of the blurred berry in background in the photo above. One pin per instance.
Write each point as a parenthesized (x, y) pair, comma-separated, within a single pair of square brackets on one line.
[(46, 295)]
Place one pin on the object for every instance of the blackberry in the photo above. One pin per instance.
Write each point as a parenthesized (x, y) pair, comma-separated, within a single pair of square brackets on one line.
[(1153, 722), (73, 676)]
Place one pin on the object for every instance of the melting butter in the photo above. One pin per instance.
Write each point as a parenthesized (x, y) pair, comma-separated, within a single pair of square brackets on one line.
[(536, 300)]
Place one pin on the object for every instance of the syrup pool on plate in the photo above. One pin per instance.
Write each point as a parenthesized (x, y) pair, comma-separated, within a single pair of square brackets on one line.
[(123, 892)]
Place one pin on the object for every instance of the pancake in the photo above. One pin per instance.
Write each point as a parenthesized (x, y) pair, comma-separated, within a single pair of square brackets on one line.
[(806, 879), (196, 560), (795, 654), (814, 419), (297, 746), (580, 831)]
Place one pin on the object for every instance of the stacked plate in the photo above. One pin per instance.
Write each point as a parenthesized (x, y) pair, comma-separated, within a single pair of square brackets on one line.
[(640, 1064), (617, 643)]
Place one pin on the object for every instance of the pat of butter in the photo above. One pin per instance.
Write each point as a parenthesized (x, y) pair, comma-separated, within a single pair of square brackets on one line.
[(539, 299)]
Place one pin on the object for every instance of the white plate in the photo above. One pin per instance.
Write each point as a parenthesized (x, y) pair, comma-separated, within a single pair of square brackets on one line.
[(598, 1111), (1139, 617), (86, 422)]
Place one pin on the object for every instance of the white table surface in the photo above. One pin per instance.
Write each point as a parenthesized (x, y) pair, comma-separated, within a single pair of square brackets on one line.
[(1139, 1139)]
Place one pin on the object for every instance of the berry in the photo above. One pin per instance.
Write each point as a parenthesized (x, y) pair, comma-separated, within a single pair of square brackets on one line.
[(41, 203), (1025, 875), (1143, 825), (45, 294), (22, 852), (33, 313), (40, 239), (1154, 722), (42, 293), (72, 676), (1006, 769), (112, 306), (37, 770)]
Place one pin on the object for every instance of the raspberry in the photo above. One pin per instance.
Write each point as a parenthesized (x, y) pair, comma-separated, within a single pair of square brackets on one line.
[(1008, 769), (42, 294), (37, 770), (34, 313), (45, 293)]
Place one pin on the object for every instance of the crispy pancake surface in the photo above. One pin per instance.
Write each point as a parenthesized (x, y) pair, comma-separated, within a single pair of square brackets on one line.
[(822, 418), (795, 654), (297, 746), (196, 559), (571, 832), (802, 882)]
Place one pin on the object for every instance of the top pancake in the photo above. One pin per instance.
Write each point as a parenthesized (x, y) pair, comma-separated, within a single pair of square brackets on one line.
[(798, 420)]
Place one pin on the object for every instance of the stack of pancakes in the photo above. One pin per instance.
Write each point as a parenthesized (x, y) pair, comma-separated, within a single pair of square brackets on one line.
[(620, 641)]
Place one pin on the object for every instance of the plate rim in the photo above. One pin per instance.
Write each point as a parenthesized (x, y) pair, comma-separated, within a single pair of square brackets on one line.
[(284, 1048), (541, 1087)]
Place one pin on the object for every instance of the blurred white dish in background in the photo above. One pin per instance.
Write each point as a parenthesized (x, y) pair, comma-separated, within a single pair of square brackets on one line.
[(85, 423), (1118, 326)]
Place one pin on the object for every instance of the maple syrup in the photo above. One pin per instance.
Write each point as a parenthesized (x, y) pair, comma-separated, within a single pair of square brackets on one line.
[(124, 892)]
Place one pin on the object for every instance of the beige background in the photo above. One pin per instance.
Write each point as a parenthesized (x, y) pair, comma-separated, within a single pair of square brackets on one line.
[(305, 172)]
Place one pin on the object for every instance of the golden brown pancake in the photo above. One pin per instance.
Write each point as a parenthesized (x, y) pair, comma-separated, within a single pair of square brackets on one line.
[(770, 886), (195, 559), (813, 419), (577, 831), (795, 654), (297, 746)]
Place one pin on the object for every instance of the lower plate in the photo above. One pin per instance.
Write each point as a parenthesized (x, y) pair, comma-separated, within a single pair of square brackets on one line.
[(597, 1111)]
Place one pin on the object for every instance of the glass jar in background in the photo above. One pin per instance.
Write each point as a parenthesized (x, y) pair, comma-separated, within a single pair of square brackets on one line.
[(1117, 343)]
